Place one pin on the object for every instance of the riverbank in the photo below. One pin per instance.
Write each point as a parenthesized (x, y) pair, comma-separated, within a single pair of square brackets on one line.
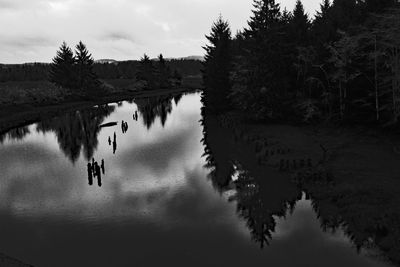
[(17, 115), (15, 93)]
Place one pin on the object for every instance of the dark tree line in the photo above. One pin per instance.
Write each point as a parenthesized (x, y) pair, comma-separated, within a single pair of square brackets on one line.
[(157, 74), (129, 69), (24, 72), (73, 71), (106, 71), (342, 65)]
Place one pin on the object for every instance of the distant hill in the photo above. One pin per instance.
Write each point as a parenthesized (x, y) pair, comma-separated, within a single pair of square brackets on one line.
[(199, 58), (106, 61), (104, 68)]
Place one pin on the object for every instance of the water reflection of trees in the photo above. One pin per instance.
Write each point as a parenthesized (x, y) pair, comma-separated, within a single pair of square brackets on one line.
[(77, 131), (155, 107), (367, 214), (253, 200), (15, 134)]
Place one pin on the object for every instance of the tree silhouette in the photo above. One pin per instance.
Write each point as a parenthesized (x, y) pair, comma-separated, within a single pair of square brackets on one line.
[(74, 72), (163, 73), (300, 24), (86, 78), (261, 64), (217, 67), (266, 14), (324, 9), (62, 69), (146, 71), (323, 30)]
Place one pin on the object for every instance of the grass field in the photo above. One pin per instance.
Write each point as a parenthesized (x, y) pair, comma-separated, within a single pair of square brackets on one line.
[(35, 92), (44, 92)]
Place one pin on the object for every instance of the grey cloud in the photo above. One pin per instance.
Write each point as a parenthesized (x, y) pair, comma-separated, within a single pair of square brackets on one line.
[(122, 29), (33, 187), (24, 4), (158, 156), (6, 4), (118, 36), (27, 41)]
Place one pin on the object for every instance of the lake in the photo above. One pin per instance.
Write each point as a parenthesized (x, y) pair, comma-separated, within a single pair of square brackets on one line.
[(153, 199)]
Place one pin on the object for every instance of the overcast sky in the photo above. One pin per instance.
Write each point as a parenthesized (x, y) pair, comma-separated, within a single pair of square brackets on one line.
[(32, 30)]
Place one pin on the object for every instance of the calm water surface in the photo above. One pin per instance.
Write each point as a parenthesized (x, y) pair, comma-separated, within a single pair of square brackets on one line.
[(156, 205)]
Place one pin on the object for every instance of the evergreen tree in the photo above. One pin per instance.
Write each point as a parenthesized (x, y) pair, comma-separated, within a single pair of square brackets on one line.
[(345, 64), (263, 36), (297, 42), (286, 17), (146, 72), (322, 28), (62, 69), (163, 73), (217, 67), (324, 9), (85, 76), (266, 14), (261, 63), (300, 24)]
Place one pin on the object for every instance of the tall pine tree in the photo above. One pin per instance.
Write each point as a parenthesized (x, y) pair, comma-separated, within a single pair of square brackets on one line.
[(217, 67), (324, 9), (322, 29), (300, 25), (163, 73), (266, 14), (260, 65), (62, 69), (86, 78), (146, 72)]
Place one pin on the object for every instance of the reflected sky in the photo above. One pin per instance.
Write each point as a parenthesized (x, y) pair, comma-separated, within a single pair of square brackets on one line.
[(156, 204)]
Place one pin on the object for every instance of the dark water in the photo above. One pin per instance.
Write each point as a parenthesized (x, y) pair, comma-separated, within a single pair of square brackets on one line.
[(156, 206)]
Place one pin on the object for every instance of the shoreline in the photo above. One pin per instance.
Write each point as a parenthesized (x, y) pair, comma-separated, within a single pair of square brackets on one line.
[(21, 115)]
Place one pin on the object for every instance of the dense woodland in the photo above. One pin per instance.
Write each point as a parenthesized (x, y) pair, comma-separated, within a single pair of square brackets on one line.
[(342, 65)]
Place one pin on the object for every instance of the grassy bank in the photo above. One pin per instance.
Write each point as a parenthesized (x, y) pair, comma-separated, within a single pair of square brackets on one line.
[(43, 92), (32, 92)]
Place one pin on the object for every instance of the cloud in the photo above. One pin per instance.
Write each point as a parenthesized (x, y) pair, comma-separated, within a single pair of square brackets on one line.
[(120, 29), (26, 41), (117, 36), (5, 4)]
